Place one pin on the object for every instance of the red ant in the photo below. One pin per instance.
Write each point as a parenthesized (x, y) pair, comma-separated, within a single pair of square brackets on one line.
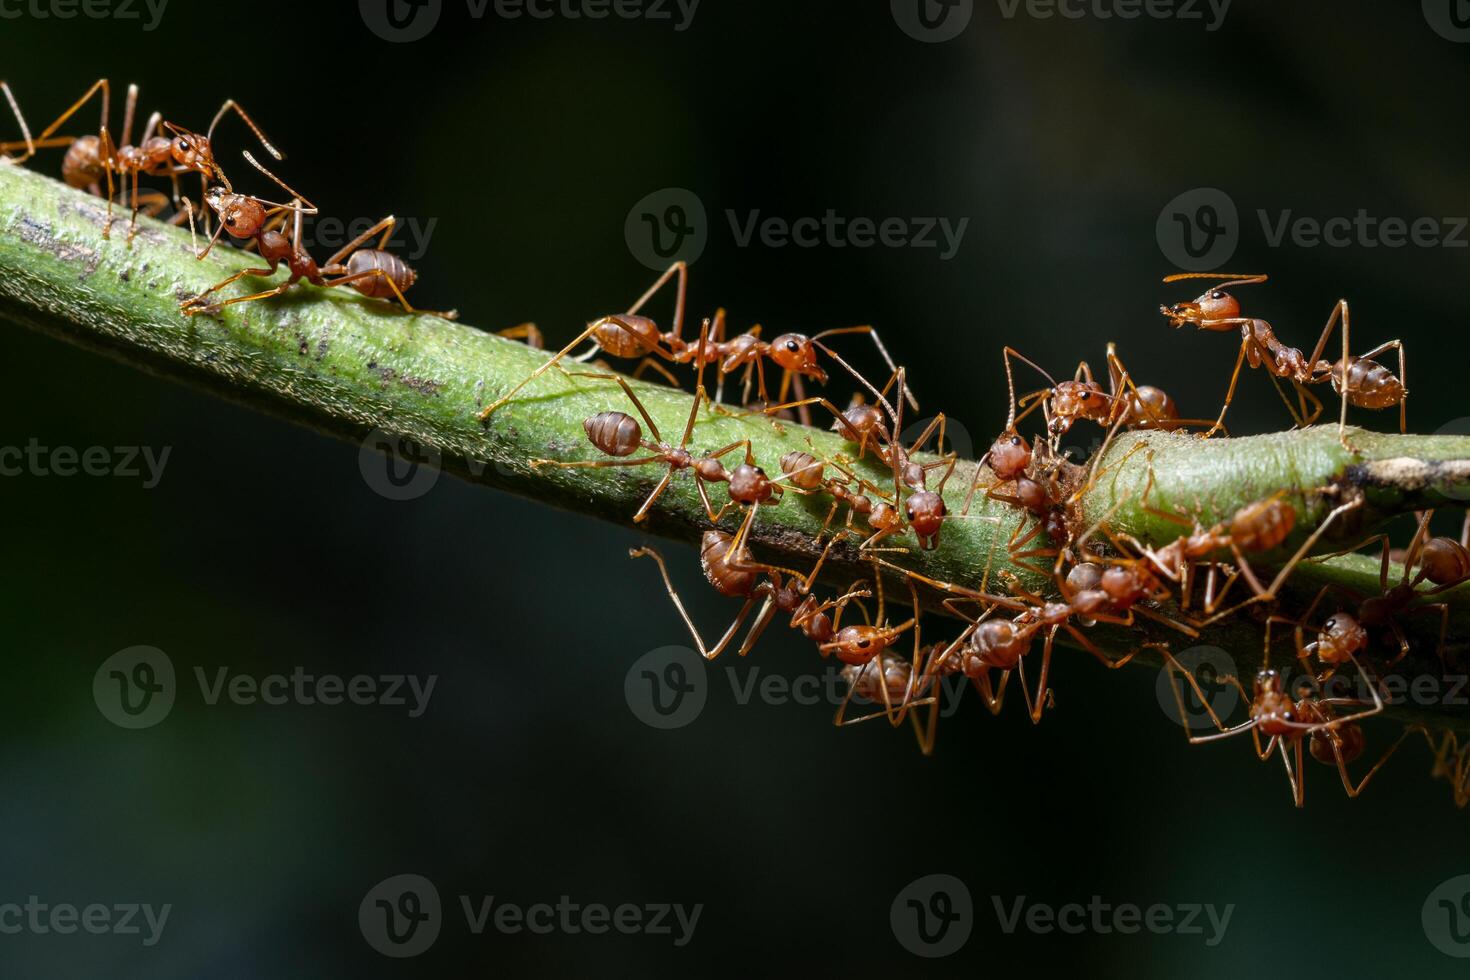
[(1361, 381), (729, 569), (1444, 562), (1124, 404), (1256, 528), (1333, 739), (629, 335), (618, 434), (373, 272)]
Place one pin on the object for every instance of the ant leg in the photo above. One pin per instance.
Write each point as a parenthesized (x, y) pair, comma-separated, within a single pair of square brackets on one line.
[(1173, 666), (652, 364), (25, 130), (707, 653), (528, 332), (1035, 708), (681, 269), (1230, 392), (349, 279), (98, 86), (1395, 345), (194, 304), (1347, 784)]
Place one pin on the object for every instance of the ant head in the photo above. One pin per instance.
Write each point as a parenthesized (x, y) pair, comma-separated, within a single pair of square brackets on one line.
[(1009, 455), (242, 216), (1341, 637), (191, 150), (1215, 304), (750, 485), (857, 645), (1268, 681), (1071, 400), (796, 352), (926, 516)]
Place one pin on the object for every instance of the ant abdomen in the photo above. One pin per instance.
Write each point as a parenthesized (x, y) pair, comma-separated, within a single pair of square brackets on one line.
[(997, 643), (890, 671), (614, 433), (1263, 525), (391, 266), (1350, 743), (82, 166), (802, 469), (1444, 561), (626, 335), (1149, 406), (728, 580), (1369, 384)]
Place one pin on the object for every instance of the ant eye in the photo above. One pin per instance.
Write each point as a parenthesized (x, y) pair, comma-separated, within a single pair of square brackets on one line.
[(793, 346), (1330, 624), (230, 220), (1015, 440), (1217, 294)]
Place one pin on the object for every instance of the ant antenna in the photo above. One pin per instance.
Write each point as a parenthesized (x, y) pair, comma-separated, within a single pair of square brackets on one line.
[(1232, 278), (232, 104), (309, 209)]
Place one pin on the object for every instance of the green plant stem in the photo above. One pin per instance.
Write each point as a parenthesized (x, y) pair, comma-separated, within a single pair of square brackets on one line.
[(347, 365)]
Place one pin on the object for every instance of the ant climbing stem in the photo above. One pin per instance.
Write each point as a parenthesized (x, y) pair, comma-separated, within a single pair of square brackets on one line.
[(629, 335)]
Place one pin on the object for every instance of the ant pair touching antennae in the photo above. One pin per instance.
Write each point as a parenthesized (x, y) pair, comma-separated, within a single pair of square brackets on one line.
[(91, 161), (629, 335), (1360, 381)]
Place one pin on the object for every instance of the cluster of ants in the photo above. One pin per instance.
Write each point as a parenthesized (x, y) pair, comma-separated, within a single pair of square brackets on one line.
[(1094, 574)]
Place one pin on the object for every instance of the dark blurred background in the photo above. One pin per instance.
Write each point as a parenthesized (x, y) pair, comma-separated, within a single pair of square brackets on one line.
[(528, 142)]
